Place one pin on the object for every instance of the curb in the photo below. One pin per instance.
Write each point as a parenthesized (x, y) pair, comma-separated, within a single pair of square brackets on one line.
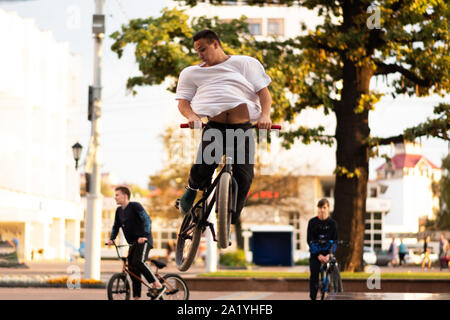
[(302, 285), (269, 284), (19, 284)]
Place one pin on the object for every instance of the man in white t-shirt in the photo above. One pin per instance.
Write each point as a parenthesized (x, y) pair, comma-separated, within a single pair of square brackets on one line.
[(231, 91)]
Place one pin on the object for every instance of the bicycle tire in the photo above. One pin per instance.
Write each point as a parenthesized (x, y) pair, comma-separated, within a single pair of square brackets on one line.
[(223, 210), (173, 281), (185, 254), (118, 285), (336, 281)]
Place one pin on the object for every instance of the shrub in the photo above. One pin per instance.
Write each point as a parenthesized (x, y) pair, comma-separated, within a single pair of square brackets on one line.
[(302, 262), (233, 259)]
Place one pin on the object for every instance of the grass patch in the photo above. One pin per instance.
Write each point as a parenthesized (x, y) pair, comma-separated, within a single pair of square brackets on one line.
[(345, 275)]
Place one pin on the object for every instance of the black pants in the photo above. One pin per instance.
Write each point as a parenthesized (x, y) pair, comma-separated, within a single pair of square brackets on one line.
[(314, 268), (402, 258), (242, 149), (137, 255)]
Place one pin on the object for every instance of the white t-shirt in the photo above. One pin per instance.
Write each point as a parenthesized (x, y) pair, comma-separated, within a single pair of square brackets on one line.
[(215, 89)]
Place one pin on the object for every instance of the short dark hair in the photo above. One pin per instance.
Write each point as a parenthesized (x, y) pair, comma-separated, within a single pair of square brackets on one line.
[(322, 202), (207, 34), (124, 190)]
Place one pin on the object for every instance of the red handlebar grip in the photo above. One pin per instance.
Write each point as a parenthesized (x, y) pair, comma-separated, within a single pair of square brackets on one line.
[(186, 125)]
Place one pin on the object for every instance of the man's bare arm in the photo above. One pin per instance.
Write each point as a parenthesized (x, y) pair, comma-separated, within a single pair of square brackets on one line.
[(185, 109), (265, 99)]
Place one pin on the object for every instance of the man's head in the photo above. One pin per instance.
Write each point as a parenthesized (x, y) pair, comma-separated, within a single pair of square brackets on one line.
[(324, 207), (122, 195), (208, 46)]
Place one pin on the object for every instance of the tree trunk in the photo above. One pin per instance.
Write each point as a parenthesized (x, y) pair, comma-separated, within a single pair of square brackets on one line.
[(352, 132)]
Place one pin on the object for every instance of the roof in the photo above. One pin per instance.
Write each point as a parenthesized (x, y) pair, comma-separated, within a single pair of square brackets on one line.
[(404, 160)]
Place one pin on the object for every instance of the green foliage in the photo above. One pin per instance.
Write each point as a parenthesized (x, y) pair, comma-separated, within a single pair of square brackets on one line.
[(233, 259), (302, 262), (443, 217)]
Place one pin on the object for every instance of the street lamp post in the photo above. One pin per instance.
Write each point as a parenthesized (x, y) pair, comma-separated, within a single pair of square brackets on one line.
[(94, 197), (76, 149)]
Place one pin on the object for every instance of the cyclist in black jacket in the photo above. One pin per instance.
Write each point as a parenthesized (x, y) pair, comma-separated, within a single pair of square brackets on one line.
[(136, 227), (321, 227)]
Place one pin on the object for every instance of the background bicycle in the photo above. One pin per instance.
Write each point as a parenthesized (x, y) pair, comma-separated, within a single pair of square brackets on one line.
[(119, 284), (330, 277)]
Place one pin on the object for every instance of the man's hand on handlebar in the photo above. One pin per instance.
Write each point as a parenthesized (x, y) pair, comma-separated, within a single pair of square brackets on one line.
[(195, 122), (264, 122), (141, 240), (110, 243)]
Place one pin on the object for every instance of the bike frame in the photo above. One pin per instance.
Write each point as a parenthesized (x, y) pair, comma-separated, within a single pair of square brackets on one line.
[(327, 268), (206, 206), (126, 268)]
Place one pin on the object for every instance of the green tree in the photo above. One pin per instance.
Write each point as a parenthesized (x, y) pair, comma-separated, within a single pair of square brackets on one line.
[(330, 68), (443, 217)]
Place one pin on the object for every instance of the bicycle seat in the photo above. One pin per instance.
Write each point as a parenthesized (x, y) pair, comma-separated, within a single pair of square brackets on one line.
[(158, 264)]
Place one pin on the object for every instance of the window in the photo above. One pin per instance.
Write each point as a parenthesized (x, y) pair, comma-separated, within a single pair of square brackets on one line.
[(255, 26), (275, 27)]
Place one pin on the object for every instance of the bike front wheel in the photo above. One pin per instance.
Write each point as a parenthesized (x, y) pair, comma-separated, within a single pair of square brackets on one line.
[(177, 288), (119, 287), (224, 210), (188, 241), (335, 280)]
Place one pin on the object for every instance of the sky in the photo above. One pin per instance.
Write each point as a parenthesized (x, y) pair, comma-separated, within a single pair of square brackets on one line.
[(131, 125)]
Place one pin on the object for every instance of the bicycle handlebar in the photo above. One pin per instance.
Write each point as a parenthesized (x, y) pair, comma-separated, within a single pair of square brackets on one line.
[(118, 246), (340, 242), (273, 127)]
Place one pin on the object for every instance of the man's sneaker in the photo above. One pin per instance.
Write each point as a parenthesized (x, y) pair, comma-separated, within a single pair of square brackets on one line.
[(159, 292), (187, 200)]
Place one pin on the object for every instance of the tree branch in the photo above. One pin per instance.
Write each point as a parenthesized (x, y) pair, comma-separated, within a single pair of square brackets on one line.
[(383, 69)]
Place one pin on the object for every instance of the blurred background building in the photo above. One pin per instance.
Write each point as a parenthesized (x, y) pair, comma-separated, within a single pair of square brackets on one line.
[(39, 123)]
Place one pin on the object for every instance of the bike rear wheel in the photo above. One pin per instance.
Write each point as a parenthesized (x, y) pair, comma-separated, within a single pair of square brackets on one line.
[(223, 209), (177, 288), (187, 243), (119, 287)]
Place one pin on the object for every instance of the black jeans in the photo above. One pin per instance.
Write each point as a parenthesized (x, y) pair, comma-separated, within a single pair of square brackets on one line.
[(402, 257), (137, 255), (242, 150), (314, 268)]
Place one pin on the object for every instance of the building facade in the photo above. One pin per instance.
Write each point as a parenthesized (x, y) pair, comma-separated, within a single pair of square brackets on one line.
[(409, 178), (40, 116), (296, 212)]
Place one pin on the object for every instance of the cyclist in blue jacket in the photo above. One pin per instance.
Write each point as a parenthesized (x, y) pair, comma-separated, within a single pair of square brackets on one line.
[(320, 228)]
